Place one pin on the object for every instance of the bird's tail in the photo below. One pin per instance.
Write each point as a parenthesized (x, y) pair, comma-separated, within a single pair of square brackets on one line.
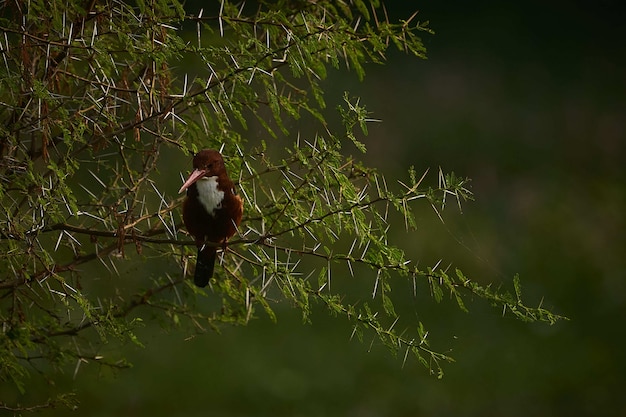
[(204, 266)]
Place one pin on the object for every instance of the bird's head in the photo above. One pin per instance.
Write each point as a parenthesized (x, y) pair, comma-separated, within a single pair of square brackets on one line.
[(206, 163)]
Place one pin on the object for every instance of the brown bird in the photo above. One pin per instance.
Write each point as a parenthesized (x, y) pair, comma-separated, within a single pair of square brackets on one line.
[(212, 210)]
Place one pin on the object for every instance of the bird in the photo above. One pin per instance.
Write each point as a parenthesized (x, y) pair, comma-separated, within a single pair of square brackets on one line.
[(212, 210)]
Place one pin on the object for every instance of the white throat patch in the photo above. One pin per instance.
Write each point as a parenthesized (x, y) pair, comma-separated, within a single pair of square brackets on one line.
[(209, 195)]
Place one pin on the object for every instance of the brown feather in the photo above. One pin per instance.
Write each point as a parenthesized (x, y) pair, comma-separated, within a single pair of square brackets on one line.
[(210, 227)]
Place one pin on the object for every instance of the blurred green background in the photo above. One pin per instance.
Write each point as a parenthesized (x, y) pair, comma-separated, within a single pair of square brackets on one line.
[(529, 100)]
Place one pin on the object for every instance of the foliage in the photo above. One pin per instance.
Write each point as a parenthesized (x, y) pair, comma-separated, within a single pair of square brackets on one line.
[(99, 97)]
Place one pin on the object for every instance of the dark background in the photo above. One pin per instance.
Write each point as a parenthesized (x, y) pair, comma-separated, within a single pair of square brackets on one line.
[(527, 99)]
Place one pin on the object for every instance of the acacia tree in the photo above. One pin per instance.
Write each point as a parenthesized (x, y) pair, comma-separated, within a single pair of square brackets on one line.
[(99, 97)]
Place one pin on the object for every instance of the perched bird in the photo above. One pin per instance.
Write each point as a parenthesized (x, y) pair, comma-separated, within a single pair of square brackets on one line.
[(212, 210)]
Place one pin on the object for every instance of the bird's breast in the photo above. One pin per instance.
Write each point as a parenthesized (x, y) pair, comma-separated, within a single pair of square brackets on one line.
[(209, 194)]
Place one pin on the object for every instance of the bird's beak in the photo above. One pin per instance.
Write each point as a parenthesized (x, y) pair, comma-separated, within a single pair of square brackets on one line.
[(195, 176)]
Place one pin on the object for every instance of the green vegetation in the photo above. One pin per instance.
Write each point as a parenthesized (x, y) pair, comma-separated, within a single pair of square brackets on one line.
[(102, 104)]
